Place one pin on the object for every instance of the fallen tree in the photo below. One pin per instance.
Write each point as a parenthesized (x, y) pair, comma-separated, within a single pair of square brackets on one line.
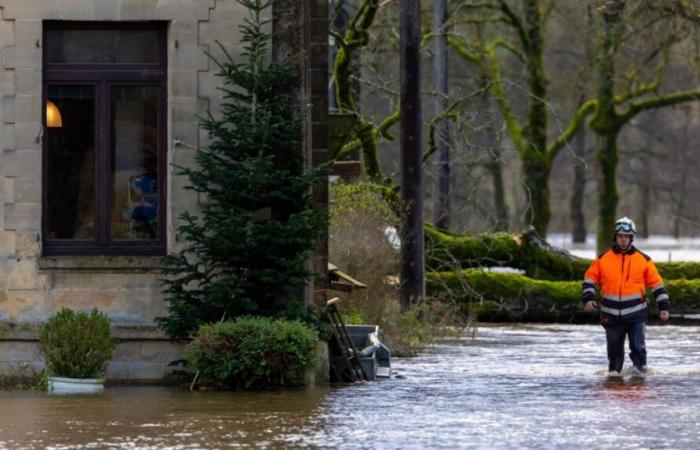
[(527, 251), (492, 296)]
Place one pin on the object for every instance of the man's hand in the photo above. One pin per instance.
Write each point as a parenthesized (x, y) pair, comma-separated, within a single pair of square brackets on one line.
[(592, 305), (663, 315)]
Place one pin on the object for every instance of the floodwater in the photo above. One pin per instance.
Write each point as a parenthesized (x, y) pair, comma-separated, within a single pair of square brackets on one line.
[(535, 386)]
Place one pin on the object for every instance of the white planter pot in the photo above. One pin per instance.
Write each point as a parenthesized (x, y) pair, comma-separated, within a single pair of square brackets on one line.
[(59, 385)]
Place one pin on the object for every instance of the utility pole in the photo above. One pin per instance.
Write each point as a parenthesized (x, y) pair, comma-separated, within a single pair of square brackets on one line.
[(412, 250), (441, 208)]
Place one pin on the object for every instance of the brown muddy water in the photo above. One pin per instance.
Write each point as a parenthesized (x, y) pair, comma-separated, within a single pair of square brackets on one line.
[(540, 386)]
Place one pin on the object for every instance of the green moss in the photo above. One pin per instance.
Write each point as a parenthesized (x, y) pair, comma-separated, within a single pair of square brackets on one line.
[(498, 296), (449, 252)]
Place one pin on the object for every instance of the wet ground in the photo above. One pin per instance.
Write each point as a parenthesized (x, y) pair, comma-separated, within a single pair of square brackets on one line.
[(509, 387)]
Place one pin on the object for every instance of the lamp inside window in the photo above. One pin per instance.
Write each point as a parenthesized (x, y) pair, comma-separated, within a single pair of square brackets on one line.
[(53, 115)]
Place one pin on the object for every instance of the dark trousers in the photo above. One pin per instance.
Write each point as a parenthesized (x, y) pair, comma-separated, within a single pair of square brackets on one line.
[(615, 334)]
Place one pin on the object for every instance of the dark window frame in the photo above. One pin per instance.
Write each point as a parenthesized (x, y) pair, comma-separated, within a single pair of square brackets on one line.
[(103, 77)]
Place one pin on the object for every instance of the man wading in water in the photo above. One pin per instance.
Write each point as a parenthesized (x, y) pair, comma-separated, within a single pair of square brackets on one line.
[(623, 272)]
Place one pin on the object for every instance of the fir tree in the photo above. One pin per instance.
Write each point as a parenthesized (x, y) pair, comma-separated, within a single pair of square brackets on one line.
[(246, 251)]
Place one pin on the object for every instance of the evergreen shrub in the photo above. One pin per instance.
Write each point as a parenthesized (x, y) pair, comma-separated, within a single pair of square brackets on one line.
[(253, 353), (246, 251), (77, 344)]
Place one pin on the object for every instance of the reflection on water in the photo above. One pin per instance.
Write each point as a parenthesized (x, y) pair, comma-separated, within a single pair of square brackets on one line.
[(511, 387)]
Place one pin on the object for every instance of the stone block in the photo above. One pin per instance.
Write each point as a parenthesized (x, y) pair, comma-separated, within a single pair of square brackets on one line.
[(28, 245), (85, 280), (18, 351), (76, 9), (138, 9), (27, 108), (118, 370), (28, 32), (22, 216), (108, 10), (187, 132), (20, 162), (226, 31), (27, 134), (162, 351), (127, 351), (183, 9), (23, 276), (7, 244), (183, 109), (7, 187), (7, 136), (183, 31), (27, 187), (7, 32), (30, 9), (7, 82), (26, 306), (83, 300), (188, 56), (17, 57), (7, 110), (28, 82), (183, 83)]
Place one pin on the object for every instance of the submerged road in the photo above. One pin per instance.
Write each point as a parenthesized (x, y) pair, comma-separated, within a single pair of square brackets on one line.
[(536, 386)]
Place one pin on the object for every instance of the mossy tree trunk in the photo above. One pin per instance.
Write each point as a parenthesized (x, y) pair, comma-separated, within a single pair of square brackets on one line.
[(446, 252), (355, 38), (495, 167), (509, 297), (578, 189), (528, 134), (608, 122)]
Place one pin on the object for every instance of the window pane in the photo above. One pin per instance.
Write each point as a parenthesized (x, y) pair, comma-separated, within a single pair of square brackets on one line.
[(134, 162), (95, 46), (71, 163)]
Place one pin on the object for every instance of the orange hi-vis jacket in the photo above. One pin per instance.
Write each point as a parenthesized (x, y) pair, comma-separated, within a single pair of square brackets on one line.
[(623, 277)]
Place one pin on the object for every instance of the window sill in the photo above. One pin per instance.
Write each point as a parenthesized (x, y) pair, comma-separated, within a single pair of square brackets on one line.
[(119, 264)]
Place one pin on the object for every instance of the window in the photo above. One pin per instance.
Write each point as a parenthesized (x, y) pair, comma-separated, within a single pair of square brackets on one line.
[(104, 141)]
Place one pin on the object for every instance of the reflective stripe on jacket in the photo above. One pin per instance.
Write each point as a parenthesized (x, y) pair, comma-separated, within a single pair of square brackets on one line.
[(623, 277)]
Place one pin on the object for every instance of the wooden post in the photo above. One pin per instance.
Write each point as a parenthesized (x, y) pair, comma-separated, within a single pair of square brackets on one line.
[(441, 208), (412, 251)]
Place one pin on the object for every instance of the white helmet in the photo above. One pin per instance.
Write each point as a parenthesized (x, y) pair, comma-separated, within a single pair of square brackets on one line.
[(625, 226)]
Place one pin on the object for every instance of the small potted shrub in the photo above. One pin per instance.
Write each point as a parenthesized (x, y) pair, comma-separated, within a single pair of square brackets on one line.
[(77, 347)]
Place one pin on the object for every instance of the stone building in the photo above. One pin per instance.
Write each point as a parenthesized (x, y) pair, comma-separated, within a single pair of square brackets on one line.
[(98, 100)]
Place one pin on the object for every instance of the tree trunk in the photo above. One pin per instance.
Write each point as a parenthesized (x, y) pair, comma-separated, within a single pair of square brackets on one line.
[(499, 195), (578, 219), (536, 162), (445, 252), (412, 249), (536, 168), (606, 125), (441, 209), (645, 198), (510, 297)]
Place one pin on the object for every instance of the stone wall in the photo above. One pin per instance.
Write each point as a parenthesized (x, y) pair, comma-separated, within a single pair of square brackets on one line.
[(33, 286)]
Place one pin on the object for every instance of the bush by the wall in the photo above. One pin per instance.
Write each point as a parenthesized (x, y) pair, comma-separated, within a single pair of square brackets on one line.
[(253, 353), (76, 344)]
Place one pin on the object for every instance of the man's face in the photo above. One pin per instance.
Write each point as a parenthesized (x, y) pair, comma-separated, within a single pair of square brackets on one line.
[(623, 240)]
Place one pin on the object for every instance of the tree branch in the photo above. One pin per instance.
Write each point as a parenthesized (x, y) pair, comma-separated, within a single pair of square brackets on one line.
[(658, 102), (574, 125)]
